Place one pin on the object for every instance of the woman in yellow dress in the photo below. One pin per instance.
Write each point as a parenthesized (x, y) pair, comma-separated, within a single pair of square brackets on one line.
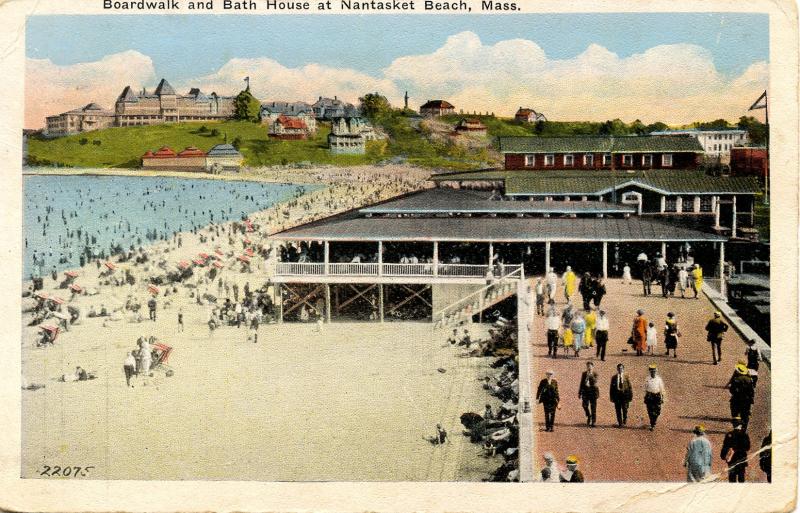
[(591, 323), (569, 338), (569, 279), (697, 277)]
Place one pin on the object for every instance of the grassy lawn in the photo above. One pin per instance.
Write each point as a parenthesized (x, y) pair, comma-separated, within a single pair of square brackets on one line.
[(123, 147)]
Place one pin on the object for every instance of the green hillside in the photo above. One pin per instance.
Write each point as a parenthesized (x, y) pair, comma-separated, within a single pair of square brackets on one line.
[(124, 146)]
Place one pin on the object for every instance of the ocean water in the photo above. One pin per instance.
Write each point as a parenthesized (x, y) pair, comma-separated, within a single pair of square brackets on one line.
[(69, 216)]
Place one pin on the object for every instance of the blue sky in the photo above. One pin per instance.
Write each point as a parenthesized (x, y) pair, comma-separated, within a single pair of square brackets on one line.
[(187, 46)]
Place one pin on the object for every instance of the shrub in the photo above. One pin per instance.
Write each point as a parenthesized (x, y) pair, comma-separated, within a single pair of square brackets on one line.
[(214, 132), (83, 141)]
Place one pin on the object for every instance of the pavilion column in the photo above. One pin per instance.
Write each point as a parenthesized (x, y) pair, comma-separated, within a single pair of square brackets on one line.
[(605, 259), (327, 259), (328, 302), (547, 257), (436, 258), (733, 221), (380, 258), (664, 250), (279, 300), (696, 207), (491, 253), (380, 301), (715, 202), (663, 204), (679, 204), (722, 286)]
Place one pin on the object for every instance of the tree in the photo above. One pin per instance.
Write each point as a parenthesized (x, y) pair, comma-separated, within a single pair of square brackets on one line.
[(712, 125), (638, 128), (658, 126), (374, 105), (237, 142), (756, 130), (247, 108)]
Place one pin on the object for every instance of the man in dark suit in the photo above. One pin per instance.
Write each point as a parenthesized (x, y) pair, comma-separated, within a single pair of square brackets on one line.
[(547, 394), (621, 394), (589, 392), (734, 452)]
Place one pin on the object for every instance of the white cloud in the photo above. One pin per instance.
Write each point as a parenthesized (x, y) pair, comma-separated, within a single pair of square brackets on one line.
[(672, 83), (52, 89), (270, 80)]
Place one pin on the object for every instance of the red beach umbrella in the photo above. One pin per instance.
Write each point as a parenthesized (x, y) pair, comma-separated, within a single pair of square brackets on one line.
[(198, 261), (57, 300), (71, 274), (244, 258), (153, 290), (217, 264), (75, 287), (183, 264), (110, 266)]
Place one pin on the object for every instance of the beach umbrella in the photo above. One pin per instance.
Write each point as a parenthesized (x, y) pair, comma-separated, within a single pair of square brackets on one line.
[(204, 256), (57, 300), (75, 287), (249, 224), (244, 258), (219, 252), (110, 266), (49, 328), (247, 241), (249, 251), (218, 264), (41, 295), (183, 264), (198, 261), (71, 274), (153, 289)]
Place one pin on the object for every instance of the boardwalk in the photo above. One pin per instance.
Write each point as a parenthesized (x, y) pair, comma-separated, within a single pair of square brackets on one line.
[(695, 394)]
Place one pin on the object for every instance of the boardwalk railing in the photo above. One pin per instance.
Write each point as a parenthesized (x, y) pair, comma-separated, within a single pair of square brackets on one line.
[(392, 270)]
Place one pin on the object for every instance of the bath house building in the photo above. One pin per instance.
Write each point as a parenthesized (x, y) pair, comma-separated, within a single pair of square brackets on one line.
[(417, 255)]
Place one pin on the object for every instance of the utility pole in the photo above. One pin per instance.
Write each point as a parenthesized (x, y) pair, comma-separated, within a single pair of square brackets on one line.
[(758, 104)]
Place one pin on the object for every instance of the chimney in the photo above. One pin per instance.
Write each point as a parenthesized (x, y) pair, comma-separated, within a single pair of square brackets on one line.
[(335, 97)]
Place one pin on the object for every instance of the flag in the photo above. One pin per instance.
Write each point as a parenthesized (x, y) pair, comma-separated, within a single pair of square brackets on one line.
[(761, 103)]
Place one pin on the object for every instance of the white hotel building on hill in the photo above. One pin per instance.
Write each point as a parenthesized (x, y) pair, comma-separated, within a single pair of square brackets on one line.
[(715, 143)]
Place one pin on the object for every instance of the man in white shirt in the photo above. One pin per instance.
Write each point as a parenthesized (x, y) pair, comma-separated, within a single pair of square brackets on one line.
[(552, 283), (129, 366), (551, 471), (601, 334), (654, 395), (552, 323)]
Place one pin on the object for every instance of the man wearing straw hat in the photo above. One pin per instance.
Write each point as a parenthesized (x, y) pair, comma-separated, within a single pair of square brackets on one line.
[(698, 456), (572, 474), (741, 389), (654, 395)]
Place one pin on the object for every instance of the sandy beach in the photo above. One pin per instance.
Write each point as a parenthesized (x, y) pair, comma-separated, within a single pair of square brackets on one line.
[(349, 403)]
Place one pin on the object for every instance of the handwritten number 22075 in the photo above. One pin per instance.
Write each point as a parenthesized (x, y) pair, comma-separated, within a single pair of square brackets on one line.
[(57, 471)]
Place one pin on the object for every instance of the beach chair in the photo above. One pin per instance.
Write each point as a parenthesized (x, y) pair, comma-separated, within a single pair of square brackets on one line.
[(49, 334), (161, 353)]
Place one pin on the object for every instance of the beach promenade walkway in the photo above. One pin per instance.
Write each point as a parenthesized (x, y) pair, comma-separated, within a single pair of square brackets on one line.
[(695, 394)]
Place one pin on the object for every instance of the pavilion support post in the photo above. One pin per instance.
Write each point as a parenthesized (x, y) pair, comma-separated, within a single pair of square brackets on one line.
[(664, 250), (547, 257), (733, 221), (380, 258), (722, 286), (380, 302), (605, 259), (663, 206), (491, 253), (436, 258), (327, 259), (715, 202), (328, 302), (279, 292)]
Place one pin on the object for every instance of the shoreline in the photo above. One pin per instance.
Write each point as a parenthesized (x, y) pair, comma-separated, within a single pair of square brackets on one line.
[(315, 175)]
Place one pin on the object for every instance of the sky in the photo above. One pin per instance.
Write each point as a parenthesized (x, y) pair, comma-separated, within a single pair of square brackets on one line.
[(669, 67)]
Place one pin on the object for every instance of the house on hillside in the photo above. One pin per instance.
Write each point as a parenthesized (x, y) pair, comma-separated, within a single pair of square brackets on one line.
[(349, 135), (270, 111), (436, 108), (328, 108), (467, 126), (83, 119), (528, 116), (288, 128)]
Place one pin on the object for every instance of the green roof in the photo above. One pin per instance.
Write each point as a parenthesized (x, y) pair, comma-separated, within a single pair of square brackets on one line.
[(600, 144), (592, 183)]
